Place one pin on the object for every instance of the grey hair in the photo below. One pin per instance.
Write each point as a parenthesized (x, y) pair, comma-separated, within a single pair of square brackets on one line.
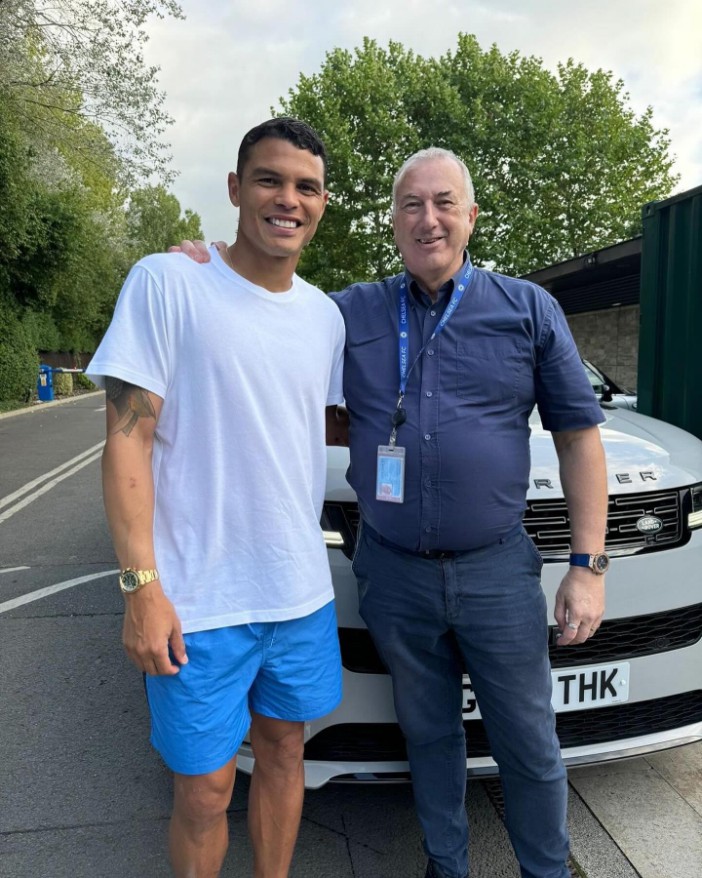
[(433, 152)]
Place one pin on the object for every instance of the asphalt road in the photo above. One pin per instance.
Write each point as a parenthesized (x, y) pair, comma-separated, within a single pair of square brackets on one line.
[(82, 795)]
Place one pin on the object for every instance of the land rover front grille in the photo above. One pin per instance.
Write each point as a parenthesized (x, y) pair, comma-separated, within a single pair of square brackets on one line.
[(546, 522)]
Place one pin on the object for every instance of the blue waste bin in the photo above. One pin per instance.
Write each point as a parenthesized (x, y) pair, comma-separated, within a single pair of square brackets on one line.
[(45, 383)]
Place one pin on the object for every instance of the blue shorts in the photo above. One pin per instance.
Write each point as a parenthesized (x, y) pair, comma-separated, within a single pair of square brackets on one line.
[(287, 670)]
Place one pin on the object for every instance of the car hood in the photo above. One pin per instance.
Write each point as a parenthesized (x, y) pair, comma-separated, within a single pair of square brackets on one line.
[(642, 454)]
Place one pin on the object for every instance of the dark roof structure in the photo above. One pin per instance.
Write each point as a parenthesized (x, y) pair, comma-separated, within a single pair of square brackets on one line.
[(597, 281)]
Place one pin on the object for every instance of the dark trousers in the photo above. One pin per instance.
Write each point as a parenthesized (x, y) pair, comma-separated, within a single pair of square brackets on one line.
[(484, 610)]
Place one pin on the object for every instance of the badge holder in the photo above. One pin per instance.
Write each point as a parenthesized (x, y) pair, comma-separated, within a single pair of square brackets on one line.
[(390, 472)]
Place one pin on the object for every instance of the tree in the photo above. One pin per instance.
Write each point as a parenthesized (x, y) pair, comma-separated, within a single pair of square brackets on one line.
[(68, 238), (80, 117), (560, 162), (154, 222), (364, 106), (72, 66)]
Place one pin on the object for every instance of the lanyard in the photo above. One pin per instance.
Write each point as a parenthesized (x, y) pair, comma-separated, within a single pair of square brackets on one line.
[(399, 416)]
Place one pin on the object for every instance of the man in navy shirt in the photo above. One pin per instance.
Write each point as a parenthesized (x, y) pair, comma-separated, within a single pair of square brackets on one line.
[(443, 366)]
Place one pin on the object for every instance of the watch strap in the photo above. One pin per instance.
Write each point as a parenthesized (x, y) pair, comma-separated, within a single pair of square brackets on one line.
[(598, 563), (143, 577), (579, 560)]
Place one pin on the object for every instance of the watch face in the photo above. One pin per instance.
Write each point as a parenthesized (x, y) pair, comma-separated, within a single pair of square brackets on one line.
[(129, 581), (601, 563)]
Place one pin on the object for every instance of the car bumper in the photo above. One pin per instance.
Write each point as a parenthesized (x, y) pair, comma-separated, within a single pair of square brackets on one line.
[(360, 741)]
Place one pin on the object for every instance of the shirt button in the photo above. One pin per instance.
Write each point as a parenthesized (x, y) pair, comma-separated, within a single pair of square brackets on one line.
[(427, 482), (429, 393), (427, 436), (427, 530), (433, 313), (430, 352)]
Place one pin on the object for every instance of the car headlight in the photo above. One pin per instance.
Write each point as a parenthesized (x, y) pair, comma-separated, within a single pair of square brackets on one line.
[(694, 519), (332, 526), (334, 540)]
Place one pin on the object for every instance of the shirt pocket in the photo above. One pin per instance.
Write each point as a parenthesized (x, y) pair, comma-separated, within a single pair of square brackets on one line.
[(493, 370), (370, 368)]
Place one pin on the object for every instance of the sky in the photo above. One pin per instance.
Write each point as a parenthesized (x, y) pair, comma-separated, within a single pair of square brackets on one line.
[(231, 61)]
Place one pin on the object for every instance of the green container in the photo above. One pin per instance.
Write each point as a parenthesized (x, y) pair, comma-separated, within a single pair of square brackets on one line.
[(670, 339)]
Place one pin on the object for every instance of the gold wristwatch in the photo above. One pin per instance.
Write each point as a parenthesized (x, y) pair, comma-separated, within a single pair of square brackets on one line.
[(131, 580)]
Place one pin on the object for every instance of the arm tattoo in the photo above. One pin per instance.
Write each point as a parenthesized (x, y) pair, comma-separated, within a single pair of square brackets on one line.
[(131, 403)]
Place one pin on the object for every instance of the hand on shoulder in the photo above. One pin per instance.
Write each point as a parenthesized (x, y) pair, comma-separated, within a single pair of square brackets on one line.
[(197, 250)]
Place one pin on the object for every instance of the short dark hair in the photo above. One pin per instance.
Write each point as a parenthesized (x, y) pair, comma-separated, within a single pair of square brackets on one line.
[(299, 133)]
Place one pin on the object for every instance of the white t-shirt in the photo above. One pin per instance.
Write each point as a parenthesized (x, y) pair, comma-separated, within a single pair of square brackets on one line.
[(239, 459)]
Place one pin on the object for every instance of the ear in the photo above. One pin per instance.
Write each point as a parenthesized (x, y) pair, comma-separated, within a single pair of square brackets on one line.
[(233, 186), (473, 217), (325, 201)]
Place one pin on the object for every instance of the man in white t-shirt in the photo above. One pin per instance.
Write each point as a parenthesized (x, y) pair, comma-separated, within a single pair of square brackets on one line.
[(217, 381)]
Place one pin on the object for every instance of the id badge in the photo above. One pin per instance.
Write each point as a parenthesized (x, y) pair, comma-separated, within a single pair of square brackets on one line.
[(390, 474)]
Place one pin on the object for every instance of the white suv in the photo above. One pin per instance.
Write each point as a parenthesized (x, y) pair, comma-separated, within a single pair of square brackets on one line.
[(635, 688), (607, 391)]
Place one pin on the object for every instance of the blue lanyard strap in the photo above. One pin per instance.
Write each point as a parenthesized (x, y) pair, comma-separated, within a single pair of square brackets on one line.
[(403, 340)]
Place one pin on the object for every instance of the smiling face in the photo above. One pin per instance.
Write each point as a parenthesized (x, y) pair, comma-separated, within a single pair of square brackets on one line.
[(433, 220), (281, 198)]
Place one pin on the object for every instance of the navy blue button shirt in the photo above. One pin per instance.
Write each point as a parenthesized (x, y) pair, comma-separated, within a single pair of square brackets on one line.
[(506, 348)]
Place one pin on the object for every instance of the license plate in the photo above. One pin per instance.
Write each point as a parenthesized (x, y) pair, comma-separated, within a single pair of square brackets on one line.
[(573, 689)]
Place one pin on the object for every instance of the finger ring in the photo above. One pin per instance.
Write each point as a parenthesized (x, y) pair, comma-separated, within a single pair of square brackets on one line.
[(572, 626)]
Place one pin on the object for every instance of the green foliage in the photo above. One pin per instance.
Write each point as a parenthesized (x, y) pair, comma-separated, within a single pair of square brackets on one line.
[(75, 74), (41, 330), (81, 120), (14, 194), (83, 382), (53, 261), (362, 107), (67, 236), (154, 222), (19, 363), (63, 383), (561, 164)]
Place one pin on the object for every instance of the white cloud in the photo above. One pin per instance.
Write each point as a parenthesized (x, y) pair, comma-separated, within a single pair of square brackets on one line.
[(223, 69)]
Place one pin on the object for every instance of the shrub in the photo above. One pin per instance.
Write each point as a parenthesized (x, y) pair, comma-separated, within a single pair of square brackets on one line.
[(19, 363), (63, 384), (82, 381), (41, 330)]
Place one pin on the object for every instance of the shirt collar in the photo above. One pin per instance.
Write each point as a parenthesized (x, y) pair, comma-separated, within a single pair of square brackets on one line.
[(445, 290)]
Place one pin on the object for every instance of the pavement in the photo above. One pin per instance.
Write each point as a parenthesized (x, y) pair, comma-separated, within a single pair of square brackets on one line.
[(640, 818), (38, 406), (649, 810)]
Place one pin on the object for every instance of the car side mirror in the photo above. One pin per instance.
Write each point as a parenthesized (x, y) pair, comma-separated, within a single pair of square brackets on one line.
[(606, 393)]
